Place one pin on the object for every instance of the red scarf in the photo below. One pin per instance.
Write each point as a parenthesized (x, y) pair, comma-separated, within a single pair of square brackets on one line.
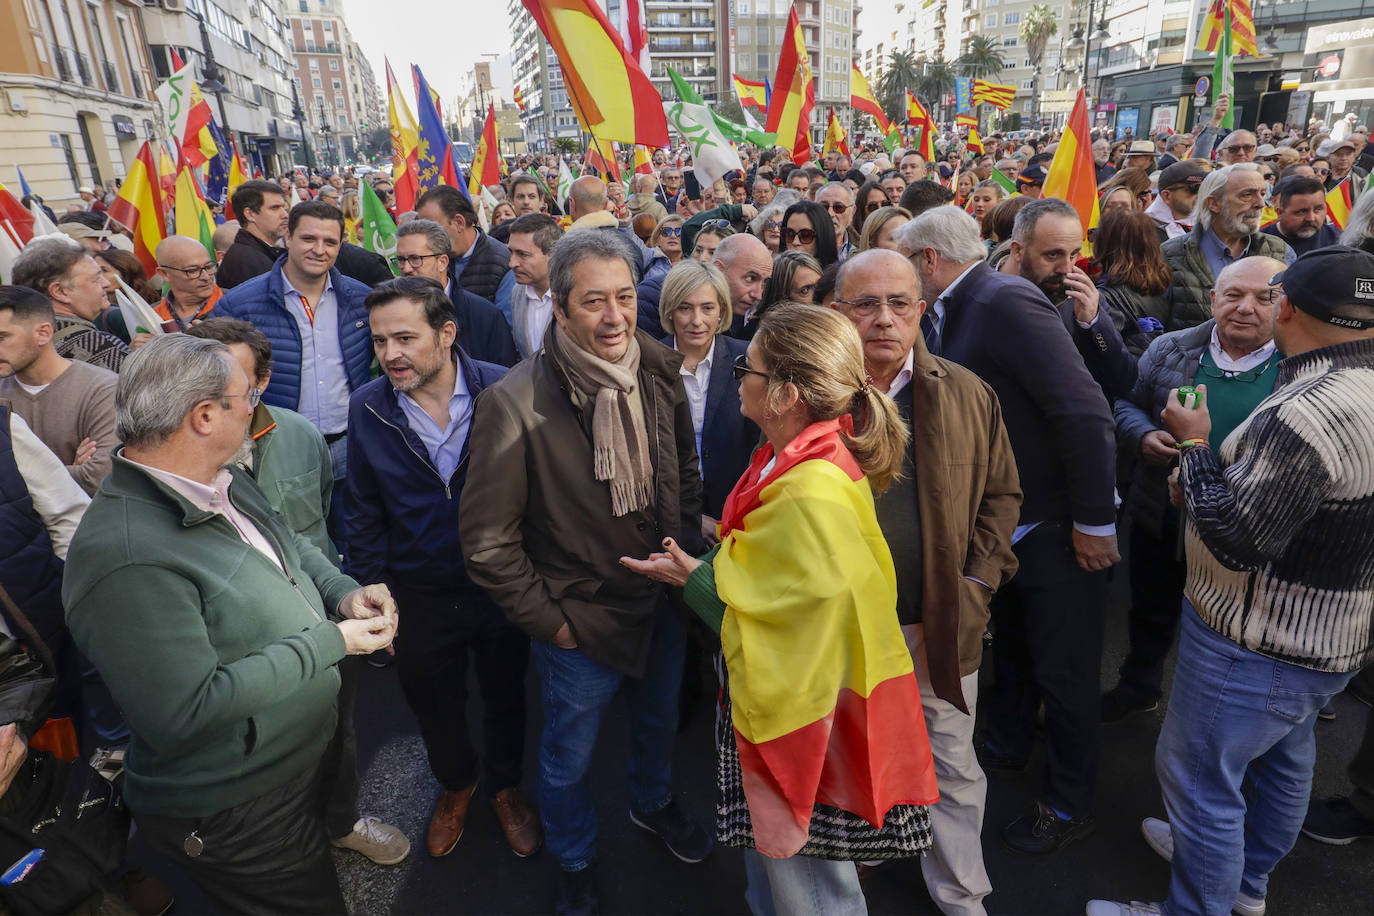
[(819, 441)]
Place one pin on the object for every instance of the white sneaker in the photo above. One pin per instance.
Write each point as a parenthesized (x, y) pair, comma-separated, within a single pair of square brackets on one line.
[(1159, 836), (108, 762), (382, 843), (1112, 908)]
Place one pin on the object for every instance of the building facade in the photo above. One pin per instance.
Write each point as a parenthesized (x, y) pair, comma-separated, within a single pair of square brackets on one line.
[(337, 86), (548, 113), (75, 92)]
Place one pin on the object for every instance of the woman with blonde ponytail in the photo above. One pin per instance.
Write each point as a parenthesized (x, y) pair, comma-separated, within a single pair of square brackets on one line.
[(823, 752)]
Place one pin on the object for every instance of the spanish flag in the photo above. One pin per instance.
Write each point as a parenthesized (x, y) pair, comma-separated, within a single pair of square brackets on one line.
[(998, 95), (1340, 200), (965, 120), (405, 142), (193, 217), (486, 168), (752, 94), (1073, 176), (825, 712), (794, 94), (139, 207), (975, 142), (187, 112), (611, 95), (861, 98), (520, 99), (1242, 27), (237, 176), (835, 138), (644, 161), (919, 118)]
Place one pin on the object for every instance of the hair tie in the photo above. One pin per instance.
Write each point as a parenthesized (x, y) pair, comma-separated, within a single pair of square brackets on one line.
[(867, 386)]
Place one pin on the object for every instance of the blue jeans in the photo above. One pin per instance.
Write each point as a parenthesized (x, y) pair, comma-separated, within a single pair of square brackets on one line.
[(1235, 716), (576, 691), (802, 886)]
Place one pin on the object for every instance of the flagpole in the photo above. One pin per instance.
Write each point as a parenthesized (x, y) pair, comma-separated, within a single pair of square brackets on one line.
[(596, 141)]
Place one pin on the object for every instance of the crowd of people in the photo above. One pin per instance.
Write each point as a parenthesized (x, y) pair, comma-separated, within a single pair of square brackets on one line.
[(829, 430)]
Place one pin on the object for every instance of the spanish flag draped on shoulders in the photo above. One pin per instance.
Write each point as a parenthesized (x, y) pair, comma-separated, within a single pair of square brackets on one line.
[(831, 744)]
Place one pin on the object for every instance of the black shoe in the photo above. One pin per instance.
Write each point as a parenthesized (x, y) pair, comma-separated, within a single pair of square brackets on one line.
[(997, 762), (577, 892), (1328, 712), (1044, 831), (1117, 706), (1361, 691), (381, 659), (1335, 821), (683, 836)]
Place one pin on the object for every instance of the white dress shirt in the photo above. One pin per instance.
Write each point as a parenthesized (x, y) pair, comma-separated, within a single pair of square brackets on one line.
[(215, 498), (697, 382), (1245, 363)]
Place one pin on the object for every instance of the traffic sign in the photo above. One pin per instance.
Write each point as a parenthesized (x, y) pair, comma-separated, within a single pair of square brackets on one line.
[(1204, 83)]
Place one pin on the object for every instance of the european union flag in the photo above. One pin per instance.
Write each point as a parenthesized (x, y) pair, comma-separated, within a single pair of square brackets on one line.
[(217, 172), (438, 165)]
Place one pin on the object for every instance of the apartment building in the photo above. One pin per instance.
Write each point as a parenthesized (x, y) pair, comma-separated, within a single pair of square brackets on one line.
[(337, 86)]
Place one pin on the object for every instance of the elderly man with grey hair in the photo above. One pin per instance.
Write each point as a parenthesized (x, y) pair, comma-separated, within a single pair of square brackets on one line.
[(838, 200), (1226, 228), (64, 271), (1049, 618), (581, 455), (219, 631), (423, 249)]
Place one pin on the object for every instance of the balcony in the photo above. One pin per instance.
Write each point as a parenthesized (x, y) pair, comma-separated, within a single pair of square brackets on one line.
[(83, 69), (677, 24), (675, 46), (61, 63), (111, 76)]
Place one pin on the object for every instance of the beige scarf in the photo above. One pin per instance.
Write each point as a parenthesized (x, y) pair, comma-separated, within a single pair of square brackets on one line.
[(620, 445)]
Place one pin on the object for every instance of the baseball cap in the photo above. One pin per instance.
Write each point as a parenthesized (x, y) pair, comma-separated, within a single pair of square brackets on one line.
[(1032, 174), (1185, 172), (1323, 280), (1330, 146)]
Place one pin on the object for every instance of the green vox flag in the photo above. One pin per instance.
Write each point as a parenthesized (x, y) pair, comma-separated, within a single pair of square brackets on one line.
[(376, 229), (1223, 76), (735, 133)]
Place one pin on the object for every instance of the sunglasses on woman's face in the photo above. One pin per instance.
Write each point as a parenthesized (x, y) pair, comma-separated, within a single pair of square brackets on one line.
[(1322, 171), (773, 225), (671, 231), (805, 236)]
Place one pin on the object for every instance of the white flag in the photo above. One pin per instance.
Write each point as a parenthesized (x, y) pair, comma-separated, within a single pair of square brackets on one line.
[(712, 154), (565, 180)]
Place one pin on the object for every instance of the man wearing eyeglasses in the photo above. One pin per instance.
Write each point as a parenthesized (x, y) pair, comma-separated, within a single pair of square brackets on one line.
[(422, 250), (188, 271), (1172, 210), (838, 201)]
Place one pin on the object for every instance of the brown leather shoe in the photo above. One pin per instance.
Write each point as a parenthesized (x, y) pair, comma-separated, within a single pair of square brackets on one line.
[(519, 822), (446, 826)]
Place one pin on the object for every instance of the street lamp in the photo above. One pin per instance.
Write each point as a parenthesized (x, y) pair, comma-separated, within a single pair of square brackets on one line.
[(298, 113), (210, 70), (328, 155), (1099, 35), (1271, 38)]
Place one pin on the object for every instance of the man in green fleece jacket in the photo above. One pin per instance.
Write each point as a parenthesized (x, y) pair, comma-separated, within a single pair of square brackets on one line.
[(219, 632)]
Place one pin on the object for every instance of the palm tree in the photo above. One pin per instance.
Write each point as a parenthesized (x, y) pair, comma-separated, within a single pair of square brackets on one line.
[(903, 72), (982, 57), (1037, 27), (937, 81)]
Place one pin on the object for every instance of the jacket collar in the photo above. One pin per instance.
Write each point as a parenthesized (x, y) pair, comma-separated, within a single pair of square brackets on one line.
[(654, 357), (129, 480), (382, 396), (250, 240)]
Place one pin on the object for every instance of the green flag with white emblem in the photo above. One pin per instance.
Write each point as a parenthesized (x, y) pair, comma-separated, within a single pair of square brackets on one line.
[(376, 229)]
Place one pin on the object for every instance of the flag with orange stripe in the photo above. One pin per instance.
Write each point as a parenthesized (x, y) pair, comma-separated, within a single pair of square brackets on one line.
[(139, 207), (1242, 27), (1340, 200), (1073, 175), (794, 93)]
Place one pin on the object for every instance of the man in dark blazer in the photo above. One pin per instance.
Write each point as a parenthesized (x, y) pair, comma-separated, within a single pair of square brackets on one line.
[(1048, 622), (362, 265), (422, 250), (949, 527)]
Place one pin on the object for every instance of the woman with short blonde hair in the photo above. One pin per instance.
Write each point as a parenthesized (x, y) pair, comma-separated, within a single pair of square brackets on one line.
[(878, 228)]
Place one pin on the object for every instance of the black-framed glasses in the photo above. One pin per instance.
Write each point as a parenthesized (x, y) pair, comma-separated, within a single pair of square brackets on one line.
[(192, 273), (869, 305), (252, 394), (414, 261), (742, 368), (671, 231), (805, 236)]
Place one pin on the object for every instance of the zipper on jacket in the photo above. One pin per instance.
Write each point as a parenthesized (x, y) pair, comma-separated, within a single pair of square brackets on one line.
[(448, 494), (280, 566)]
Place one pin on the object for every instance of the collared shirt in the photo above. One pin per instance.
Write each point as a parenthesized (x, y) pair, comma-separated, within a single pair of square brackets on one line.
[(1163, 215), (215, 498), (324, 383), (538, 312), (938, 307), (697, 383), (1219, 257), (1247, 362), (445, 446), (903, 375)]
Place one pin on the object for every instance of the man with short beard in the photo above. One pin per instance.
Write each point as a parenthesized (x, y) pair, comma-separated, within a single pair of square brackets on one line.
[(1226, 223), (1302, 223), (406, 474)]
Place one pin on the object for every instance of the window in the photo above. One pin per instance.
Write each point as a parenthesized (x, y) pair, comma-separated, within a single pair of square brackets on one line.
[(314, 64), (338, 101), (746, 35), (343, 120), (1027, 84), (317, 83), (334, 65), (338, 85), (763, 60), (1011, 19), (1009, 41), (992, 21)]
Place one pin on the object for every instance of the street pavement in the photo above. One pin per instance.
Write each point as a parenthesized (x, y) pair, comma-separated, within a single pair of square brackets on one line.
[(637, 875)]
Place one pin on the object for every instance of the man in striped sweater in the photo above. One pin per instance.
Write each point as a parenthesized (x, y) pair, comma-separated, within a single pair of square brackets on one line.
[(1280, 545)]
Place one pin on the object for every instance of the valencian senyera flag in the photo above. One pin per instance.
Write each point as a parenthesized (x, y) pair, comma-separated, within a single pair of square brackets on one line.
[(1242, 27), (998, 95), (828, 713)]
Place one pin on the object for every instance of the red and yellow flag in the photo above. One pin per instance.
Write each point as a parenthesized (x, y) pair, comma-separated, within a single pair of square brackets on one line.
[(752, 94), (1340, 200), (975, 142), (237, 176), (405, 142), (644, 161), (861, 97), (826, 712), (1073, 175), (520, 99), (139, 206), (794, 94), (965, 120), (998, 95), (1242, 27), (919, 118), (611, 95), (21, 220), (486, 162), (836, 140)]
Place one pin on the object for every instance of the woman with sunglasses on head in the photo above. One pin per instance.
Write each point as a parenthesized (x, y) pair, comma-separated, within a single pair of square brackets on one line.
[(806, 226), (811, 756), (767, 226), (868, 198), (709, 238)]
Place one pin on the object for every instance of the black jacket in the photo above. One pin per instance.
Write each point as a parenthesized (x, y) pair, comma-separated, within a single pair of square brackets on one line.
[(1061, 430), (484, 269), (728, 438), (1104, 352), (362, 265), (482, 329), (247, 258)]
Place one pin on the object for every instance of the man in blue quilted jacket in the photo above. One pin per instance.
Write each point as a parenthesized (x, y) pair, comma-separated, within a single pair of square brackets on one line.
[(317, 324)]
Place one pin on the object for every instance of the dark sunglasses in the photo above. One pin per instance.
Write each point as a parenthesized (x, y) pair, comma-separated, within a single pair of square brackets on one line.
[(836, 206), (672, 231), (742, 368), (805, 236)]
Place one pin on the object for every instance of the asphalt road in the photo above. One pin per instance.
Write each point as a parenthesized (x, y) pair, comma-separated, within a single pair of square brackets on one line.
[(638, 876)]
